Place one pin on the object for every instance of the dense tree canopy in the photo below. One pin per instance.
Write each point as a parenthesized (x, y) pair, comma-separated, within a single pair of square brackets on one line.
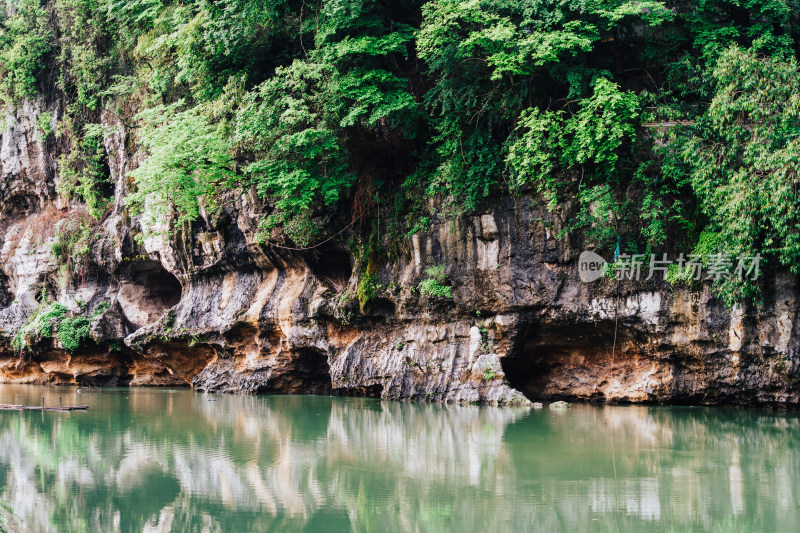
[(365, 107)]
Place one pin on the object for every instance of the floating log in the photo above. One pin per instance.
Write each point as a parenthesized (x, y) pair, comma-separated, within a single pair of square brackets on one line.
[(10, 407)]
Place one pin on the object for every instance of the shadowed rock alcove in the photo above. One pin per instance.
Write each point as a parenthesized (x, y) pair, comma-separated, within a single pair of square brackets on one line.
[(564, 361), (146, 291), (332, 267), (309, 373), (19, 206), (5, 292)]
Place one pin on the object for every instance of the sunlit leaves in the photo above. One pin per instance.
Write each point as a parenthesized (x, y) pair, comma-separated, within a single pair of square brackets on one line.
[(743, 155), (297, 124), (187, 162), (501, 66), (604, 121)]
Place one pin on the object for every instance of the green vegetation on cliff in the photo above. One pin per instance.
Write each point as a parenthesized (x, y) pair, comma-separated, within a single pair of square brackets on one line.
[(51, 319), (651, 123)]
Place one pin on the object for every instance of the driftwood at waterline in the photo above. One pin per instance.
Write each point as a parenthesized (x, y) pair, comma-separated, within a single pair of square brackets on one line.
[(12, 407), (8, 407)]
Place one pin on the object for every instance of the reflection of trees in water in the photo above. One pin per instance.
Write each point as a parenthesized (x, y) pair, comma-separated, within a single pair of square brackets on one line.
[(161, 462)]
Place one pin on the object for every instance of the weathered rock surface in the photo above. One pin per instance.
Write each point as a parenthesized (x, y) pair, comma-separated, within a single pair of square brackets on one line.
[(220, 312)]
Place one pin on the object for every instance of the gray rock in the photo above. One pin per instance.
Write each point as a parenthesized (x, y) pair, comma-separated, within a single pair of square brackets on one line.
[(218, 311)]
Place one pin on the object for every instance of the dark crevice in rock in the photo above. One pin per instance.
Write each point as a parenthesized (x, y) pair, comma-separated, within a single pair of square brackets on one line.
[(103, 379), (90, 274), (18, 207), (332, 267), (382, 307), (47, 291), (307, 373), (367, 391), (105, 185), (6, 298)]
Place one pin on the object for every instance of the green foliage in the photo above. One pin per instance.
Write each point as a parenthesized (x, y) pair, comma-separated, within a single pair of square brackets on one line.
[(52, 319), (533, 154), (740, 159), (44, 124), (434, 285), (300, 157), (594, 135), (599, 213), (714, 26), (84, 58), (589, 140), (421, 225), (84, 172), (72, 331), (194, 48), (187, 164), (708, 244), (368, 286), (72, 244), (101, 308), (433, 288), (491, 62), (40, 325), (25, 39), (489, 374), (298, 124)]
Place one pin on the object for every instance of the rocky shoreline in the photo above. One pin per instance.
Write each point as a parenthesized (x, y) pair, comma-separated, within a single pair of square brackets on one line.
[(213, 309)]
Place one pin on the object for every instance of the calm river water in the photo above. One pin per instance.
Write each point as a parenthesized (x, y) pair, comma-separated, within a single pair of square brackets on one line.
[(174, 460)]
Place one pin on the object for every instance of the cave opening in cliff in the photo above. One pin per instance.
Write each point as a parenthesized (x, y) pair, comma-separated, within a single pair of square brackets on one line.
[(331, 266), (17, 207), (562, 361), (309, 373), (147, 290)]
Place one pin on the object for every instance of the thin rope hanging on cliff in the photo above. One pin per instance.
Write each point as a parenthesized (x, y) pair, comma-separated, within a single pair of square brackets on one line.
[(616, 322), (616, 307), (305, 248)]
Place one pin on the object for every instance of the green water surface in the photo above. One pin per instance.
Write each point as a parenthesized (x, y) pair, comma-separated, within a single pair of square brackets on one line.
[(174, 460)]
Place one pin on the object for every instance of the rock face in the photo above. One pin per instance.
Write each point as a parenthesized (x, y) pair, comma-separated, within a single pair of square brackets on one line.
[(213, 309)]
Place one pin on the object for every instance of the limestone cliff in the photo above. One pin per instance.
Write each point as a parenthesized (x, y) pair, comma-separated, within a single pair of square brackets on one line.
[(214, 309)]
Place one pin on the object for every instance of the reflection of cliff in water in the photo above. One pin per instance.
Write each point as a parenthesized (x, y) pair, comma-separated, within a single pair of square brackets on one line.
[(161, 461)]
